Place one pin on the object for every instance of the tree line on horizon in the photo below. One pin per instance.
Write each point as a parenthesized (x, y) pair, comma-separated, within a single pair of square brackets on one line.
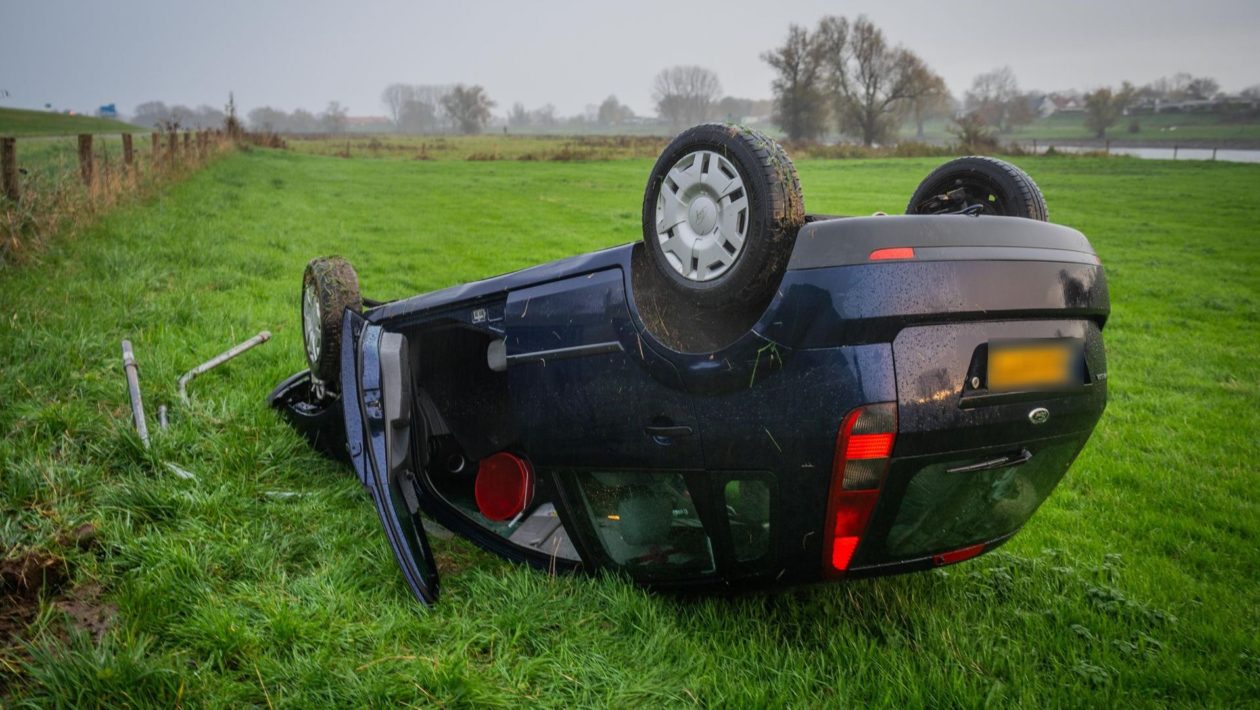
[(842, 79)]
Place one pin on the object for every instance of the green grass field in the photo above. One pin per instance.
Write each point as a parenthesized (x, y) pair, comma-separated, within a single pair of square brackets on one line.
[(20, 122), (1134, 585)]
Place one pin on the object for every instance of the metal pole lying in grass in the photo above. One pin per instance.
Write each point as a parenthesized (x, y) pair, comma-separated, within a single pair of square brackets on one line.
[(133, 392), (137, 407), (219, 360)]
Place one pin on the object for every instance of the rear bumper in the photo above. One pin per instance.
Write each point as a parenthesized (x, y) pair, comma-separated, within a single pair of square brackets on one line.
[(927, 562)]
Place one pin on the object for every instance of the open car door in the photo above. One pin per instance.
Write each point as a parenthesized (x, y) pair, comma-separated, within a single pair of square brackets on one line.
[(380, 422)]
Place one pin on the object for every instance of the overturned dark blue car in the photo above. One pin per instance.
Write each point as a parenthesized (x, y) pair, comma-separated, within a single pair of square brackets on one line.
[(752, 396)]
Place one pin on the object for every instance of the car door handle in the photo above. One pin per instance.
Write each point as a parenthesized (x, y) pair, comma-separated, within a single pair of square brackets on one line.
[(1019, 459), (670, 431)]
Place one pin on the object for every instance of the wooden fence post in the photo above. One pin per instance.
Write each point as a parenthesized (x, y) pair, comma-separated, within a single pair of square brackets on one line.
[(187, 143), (1174, 152), (129, 155), (172, 147), (157, 147), (85, 158), (8, 167)]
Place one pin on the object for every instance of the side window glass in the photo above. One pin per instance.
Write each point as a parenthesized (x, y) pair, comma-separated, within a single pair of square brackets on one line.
[(748, 514), (646, 522)]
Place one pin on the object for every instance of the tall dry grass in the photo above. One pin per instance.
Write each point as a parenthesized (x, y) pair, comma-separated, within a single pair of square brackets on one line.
[(53, 198), (490, 146)]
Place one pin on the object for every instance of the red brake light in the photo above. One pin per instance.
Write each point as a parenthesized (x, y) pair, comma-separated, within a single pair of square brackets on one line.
[(863, 447), (869, 446), (892, 253)]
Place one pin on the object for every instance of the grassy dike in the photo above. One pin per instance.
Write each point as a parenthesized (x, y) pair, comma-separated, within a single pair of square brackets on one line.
[(1135, 584), (21, 122)]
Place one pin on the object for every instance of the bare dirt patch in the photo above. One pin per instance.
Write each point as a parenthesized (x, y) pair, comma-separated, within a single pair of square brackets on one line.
[(38, 574)]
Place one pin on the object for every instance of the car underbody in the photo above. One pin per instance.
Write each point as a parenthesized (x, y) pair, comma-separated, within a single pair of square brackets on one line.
[(578, 416)]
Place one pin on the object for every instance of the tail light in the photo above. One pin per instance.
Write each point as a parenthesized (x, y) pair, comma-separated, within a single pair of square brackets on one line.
[(863, 448)]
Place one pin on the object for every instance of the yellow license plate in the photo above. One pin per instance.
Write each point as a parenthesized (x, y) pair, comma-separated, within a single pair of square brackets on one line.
[(1027, 366)]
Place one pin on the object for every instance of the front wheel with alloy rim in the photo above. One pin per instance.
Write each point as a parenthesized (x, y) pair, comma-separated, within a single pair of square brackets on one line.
[(720, 214), (329, 286)]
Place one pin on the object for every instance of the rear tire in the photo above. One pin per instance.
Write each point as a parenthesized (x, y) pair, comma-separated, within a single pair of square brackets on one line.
[(979, 185), (329, 286), (720, 215)]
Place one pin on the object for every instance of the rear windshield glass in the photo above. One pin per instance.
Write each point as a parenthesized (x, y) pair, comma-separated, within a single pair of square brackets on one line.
[(944, 510)]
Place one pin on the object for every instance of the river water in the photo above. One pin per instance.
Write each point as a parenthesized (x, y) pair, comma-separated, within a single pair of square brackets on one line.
[(1223, 154)]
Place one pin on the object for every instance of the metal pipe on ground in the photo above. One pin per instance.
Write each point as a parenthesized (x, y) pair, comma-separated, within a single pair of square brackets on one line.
[(133, 392), (137, 407), (219, 359)]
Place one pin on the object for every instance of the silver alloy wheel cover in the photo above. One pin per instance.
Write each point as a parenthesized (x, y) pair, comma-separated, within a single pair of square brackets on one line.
[(312, 323), (702, 215)]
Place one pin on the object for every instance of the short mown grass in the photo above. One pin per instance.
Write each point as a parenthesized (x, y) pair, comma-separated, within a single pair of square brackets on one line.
[(1134, 585)]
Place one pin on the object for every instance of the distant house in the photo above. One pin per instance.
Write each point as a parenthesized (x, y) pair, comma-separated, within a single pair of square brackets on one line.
[(368, 124), (107, 111), (1068, 104), (1051, 104)]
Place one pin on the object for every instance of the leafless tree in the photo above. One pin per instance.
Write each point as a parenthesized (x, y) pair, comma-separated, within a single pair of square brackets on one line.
[(544, 115), (205, 117), (685, 94), (1202, 88), (303, 121), (266, 118), (1182, 87), (733, 108), (151, 114), (416, 108), (181, 116), (880, 79), (835, 52), (613, 113), (800, 103), (333, 119), (518, 117), (469, 107), (415, 116), (435, 95), (974, 135), (995, 97), (395, 97), (929, 97)]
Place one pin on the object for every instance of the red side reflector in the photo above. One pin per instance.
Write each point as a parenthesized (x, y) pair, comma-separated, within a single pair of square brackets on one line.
[(868, 446), (949, 558), (504, 486), (892, 253)]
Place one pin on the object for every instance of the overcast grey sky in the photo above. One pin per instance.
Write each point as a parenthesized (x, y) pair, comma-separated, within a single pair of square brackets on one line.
[(290, 54)]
